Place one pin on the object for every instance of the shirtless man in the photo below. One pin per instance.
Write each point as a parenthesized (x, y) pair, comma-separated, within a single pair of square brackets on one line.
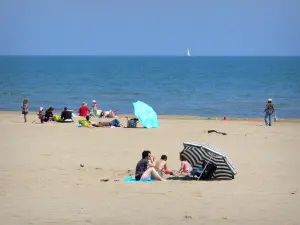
[(161, 166)]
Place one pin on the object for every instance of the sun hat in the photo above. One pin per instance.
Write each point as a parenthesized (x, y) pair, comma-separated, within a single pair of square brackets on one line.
[(94, 101), (269, 99), (41, 108)]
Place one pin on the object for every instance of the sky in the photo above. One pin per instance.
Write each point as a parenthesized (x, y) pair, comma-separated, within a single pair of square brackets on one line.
[(165, 27)]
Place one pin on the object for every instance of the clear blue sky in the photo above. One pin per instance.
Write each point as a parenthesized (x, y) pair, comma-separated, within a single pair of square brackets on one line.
[(165, 27)]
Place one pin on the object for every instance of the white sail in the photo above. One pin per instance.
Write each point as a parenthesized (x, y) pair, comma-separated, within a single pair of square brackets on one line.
[(188, 52)]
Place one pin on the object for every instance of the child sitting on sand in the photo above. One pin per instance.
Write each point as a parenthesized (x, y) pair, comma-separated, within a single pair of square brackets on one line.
[(185, 167), (161, 166)]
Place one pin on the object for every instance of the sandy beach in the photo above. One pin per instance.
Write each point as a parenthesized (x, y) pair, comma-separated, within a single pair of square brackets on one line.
[(41, 181)]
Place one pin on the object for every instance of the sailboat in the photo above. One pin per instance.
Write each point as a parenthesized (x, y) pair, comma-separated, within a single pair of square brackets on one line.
[(188, 53)]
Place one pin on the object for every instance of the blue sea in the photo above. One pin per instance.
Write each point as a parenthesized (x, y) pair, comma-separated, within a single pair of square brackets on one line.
[(200, 86)]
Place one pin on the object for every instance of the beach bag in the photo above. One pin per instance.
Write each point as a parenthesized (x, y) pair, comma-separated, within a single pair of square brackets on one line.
[(131, 123), (84, 123), (56, 117)]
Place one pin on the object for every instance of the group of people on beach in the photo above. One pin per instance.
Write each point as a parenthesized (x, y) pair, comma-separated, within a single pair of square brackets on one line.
[(147, 168), (67, 115), (84, 111)]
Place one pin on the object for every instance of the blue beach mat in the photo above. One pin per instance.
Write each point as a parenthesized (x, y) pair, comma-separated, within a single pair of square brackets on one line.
[(132, 179)]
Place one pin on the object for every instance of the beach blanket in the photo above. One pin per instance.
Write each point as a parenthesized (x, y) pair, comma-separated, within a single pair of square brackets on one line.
[(132, 179)]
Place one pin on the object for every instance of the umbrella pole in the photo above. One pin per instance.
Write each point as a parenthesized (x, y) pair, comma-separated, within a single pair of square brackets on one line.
[(205, 167)]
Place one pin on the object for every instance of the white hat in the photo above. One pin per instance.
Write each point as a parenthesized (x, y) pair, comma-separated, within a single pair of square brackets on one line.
[(269, 99), (94, 101)]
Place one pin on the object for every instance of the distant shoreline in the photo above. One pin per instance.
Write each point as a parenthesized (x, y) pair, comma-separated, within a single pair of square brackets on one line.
[(215, 56), (179, 117)]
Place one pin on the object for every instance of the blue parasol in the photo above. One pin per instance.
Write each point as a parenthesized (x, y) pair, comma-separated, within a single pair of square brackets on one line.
[(146, 115)]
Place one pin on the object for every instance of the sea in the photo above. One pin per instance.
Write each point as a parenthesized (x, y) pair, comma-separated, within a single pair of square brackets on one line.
[(195, 86)]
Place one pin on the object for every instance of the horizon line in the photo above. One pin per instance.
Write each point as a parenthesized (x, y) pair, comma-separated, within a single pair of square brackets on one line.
[(95, 55)]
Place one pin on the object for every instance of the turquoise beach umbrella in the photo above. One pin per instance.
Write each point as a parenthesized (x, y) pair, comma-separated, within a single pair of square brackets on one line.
[(146, 115)]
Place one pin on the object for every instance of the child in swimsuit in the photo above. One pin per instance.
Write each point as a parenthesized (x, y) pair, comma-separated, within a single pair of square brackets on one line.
[(161, 166), (185, 167)]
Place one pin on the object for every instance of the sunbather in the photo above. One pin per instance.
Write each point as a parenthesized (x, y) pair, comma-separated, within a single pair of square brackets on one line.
[(113, 123)]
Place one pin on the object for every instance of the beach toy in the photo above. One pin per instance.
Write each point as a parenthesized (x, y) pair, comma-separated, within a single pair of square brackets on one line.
[(275, 118), (79, 125), (225, 118), (167, 171)]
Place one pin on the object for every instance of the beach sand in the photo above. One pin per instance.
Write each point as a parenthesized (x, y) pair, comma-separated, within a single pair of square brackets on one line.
[(41, 181)]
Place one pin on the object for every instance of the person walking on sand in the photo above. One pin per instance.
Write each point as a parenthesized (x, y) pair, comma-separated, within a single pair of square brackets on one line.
[(145, 168), (269, 111), (25, 109)]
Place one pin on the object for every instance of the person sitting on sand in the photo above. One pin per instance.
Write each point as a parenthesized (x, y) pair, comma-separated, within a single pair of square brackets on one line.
[(185, 167), (145, 168), (113, 123), (49, 114), (66, 116), (269, 110), (132, 123), (84, 110), (161, 166)]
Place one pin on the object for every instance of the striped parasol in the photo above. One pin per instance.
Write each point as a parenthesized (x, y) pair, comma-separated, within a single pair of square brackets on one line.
[(197, 154)]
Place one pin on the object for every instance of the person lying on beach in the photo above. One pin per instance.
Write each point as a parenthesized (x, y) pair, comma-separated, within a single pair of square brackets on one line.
[(161, 166), (108, 114), (145, 168), (132, 123), (113, 123), (185, 167), (66, 116)]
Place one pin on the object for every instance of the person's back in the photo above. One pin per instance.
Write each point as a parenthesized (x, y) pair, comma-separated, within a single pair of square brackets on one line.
[(269, 108), (83, 110), (66, 115)]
